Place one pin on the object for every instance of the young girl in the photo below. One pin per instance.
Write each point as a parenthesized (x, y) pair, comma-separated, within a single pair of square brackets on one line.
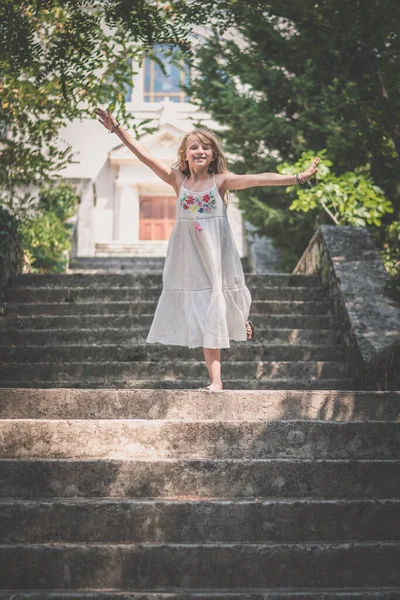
[(204, 300)]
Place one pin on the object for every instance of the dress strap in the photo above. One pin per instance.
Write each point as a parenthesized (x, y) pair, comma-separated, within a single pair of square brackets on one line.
[(181, 188)]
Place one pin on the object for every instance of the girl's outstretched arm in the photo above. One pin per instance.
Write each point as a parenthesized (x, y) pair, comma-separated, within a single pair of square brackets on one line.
[(241, 182), (168, 174)]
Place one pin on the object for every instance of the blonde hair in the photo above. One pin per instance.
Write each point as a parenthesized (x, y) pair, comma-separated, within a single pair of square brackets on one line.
[(209, 138)]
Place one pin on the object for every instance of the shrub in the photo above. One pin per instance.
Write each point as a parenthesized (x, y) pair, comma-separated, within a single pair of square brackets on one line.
[(11, 256), (45, 234), (349, 199)]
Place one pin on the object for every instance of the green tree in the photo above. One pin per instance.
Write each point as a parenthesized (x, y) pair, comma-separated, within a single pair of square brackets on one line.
[(301, 76), (59, 59), (348, 199), (45, 232)]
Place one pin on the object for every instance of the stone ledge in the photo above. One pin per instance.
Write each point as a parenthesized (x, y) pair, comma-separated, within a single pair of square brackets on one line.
[(11, 262), (350, 265)]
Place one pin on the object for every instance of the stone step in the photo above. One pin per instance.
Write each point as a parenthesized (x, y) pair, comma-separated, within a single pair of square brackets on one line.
[(98, 322), (142, 248), (342, 406), (138, 335), (111, 258), (186, 384), (119, 259), (383, 593), (142, 270), (259, 307), (188, 521), (145, 280), (111, 371), (199, 479), (149, 352), (120, 262), (152, 440), (152, 293), (193, 566)]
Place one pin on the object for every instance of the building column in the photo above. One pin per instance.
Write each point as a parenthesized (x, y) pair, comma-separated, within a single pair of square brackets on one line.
[(126, 216), (85, 234)]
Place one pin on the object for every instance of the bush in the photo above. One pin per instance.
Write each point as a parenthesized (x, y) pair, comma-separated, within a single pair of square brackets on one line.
[(45, 240), (8, 231), (60, 200), (391, 248), (350, 199), (11, 256), (45, 234), (390, 242)]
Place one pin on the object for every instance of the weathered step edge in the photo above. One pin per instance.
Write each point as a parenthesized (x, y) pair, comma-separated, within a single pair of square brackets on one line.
[(320, 594), (183, 384), (217, 521), (271, 594), (200, 566), (191, 440), (266, 405), (173, 478)]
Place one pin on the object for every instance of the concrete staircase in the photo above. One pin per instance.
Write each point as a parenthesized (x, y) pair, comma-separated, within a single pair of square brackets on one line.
[(176, 494), (156, 495), (142, 248), (88, 329)]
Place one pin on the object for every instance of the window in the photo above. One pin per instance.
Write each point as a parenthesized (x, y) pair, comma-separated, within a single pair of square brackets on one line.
[(128, 86), (158, 85)]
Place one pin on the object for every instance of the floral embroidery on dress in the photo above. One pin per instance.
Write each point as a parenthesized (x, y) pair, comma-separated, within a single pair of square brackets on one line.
[(198, 204)]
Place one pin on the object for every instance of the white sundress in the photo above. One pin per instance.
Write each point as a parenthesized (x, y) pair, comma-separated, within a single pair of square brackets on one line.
[(204, 299)]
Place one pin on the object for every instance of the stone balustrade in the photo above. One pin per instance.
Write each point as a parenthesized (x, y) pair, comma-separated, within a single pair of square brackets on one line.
[(350, 265)]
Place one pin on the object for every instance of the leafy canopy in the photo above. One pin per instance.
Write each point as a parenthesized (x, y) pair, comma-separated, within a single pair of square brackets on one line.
[(59, 59), (296, 77), (348, 199)]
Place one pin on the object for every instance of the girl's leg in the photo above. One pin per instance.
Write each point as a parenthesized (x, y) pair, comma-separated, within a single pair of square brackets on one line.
[(212, 357)]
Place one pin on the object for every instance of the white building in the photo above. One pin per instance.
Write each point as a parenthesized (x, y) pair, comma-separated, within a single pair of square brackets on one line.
[(125, 208)]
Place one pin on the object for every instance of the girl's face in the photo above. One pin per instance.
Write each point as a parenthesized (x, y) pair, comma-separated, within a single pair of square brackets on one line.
[(198, 154)]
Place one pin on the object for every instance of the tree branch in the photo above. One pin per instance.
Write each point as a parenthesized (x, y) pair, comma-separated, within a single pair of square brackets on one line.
[(332, 216)]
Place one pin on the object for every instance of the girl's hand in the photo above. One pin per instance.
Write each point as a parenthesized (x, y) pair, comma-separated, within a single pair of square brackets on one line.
[(311, 171), (106, 118)]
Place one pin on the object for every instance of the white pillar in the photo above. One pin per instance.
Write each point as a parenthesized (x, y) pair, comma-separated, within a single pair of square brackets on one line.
[(104, 218), (86, 222), (126, 217)]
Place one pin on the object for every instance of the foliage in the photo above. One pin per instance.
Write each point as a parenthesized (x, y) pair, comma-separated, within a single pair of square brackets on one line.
[(299, 77), (61, 200), (46, 241), (290, 231), (8, 225), (391, 248), (296, 76), (349, 199), (45, 234), (8, 231), (11, 256), (390, 242), (59, 60)]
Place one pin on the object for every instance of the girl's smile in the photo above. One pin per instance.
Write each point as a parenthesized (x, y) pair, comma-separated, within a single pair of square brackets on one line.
[(198, 153)]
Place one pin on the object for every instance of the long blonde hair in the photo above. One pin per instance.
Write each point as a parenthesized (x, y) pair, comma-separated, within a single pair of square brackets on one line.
[(209, 138)]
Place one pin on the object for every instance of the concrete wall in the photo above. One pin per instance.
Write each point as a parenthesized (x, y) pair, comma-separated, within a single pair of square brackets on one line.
[(349, 263)]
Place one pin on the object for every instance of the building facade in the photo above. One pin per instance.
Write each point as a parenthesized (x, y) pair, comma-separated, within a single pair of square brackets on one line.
[(125, 208)]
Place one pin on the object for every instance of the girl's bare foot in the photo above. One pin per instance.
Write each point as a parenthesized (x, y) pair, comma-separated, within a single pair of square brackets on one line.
[(213, 387)]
